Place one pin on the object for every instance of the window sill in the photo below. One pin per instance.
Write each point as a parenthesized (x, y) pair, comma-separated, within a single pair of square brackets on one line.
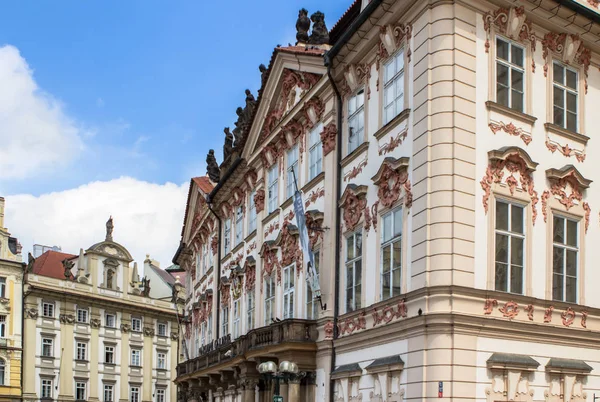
[(311, 184), (250, 236), (572, 135), (510, 112), (271, 216), (287, 202), (162, 336), (47, 357), (135, 366), (210, 271), (393, 123), (81, 361), (237, 247), (109, 364), (355, 154), (162, 370)]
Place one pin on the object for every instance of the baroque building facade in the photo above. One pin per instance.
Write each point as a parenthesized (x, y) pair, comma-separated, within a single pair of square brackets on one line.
[(93, 332), (11, 293), (444, 153)]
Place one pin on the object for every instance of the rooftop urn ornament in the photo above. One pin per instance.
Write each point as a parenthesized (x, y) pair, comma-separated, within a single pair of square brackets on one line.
[(302, 26), (68, 265), (109, 229), (228, 146), (212, 167), (319, 34)]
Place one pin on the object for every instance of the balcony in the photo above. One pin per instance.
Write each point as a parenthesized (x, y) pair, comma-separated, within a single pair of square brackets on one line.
[(223, 350)]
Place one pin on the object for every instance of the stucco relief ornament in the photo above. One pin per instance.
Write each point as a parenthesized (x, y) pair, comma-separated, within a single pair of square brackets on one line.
[(565, 179), (31, 313), (174, 336), (548, 314), (569, 47), (314, 196), (67, 318), (584, 316), (391, 178), (95, 323), (125, 328), (588, 210), (568, 316), (328, 138), (328, 330), (389, 313), (353, 203), (350, 325), (394, 143), (489, 305), (529, 310), (356, 75), (390, 40), (511, 129), (225, 294), (270, 263), (214, 244), (313, 221), (510, 310), (148, 331), (259, 200), (356, 170), (313, 112), (250, 278)]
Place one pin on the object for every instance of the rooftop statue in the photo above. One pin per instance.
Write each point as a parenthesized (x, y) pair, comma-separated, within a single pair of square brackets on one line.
[(319, 34), (228, 146), (212, 167), (302, 26), (109, 229), (263, 74)]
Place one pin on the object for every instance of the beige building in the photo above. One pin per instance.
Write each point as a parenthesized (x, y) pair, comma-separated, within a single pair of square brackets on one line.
[(444, 154), (11, 294), (92, 331)]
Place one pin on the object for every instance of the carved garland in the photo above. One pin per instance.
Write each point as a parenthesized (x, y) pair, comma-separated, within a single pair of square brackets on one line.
[(356, 170), (225, 294), (394, 143), (511, 129), (389, 313), (570, 48), (511, 309), (250, 279), (390, 39), (566, 150), (513, 163), (328, 138), (391, 178), (510, 22), (356, 75), (270, 264), (314, 196), (353, 203), (349, 325)]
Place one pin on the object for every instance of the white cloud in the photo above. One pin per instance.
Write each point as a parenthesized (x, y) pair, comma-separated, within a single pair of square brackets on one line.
[(35, 132), (147, 217)]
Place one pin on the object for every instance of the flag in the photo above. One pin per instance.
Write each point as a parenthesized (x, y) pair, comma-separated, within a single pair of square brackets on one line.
[(309, 260)]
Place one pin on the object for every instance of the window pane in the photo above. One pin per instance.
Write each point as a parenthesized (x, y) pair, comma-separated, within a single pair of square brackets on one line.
[(516, 55), (571, 263), (397, 254), (572, 233), (557, 287), (358, 272), (387, 227), (571, 290), (558, 256), (571, 102), (389, 70), (386, 259), (516, 279), (516, 251), (501, 279), (358, 244), (517, 101), (501, 248), (502, 95), (572, 79), (559, 94), (516, 219), (501, 49), (388, 95), (396, 282), (559, 72), (349, 248), (559, 117), (571, 121), (502, 74), (559, 230), (397, 222), (501, 215), (517, 80)]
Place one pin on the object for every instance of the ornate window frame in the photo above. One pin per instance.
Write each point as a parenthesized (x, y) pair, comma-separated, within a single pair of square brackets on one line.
[(565, 198), (500, 182)]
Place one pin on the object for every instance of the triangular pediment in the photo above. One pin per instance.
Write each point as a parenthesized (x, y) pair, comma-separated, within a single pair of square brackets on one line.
[(293, 74)]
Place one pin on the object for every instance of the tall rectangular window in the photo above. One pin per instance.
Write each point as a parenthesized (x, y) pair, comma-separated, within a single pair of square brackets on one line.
[(109, 392), (353, 271), (289, 277), (565, 259), (80, 391), (315, 152), (356, 120), (82, 315), (393, 88), (136, 357), (198, 261), (227, 236), (134, 394), (205, 259), (161, 360), (209, 328), (510, 247), (292, 169), (47, 347), (162, 329), (252, 213), (109, 354), (312, 304), (224, 321), (269, 299), (236, 318), (239, 225), (81, 351), (46, 388), (391, 254), (273, 182), (136, 324), (160, 395), (565, 96), (250, 303), (2, 326), (48, 309), (3, 287), (110, 321), (510, 73)]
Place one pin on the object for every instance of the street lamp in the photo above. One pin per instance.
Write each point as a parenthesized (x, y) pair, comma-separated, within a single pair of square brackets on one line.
[(270, 370)]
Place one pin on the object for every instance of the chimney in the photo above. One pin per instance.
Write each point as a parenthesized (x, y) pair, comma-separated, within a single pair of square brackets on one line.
[(1, 212)]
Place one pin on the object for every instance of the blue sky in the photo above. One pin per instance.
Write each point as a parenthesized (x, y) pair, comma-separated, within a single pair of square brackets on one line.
[(151, 84), (109, 107)]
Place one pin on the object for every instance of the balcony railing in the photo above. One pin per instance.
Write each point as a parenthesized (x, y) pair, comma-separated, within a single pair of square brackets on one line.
[(222, 350)]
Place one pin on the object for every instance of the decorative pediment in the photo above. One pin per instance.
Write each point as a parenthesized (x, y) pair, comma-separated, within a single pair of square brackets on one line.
[(250, 274), (313, 111), (566, 380), (288, 241), (391, 178), (251, 177), (510, 377), (225, 291), (111, 249), (391, 38), (511, 22), (353, 202), (356, 76), (567, 186), (570, 173), (226, 209), (504, 164), (268, 252), (569, 48)]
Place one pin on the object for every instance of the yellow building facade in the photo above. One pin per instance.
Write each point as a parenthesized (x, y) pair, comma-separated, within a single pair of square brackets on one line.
[(11, 294)]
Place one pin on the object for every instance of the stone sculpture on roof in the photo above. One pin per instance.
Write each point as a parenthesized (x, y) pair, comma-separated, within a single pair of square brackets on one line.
[(319, 34), (212, 167), (68, 265), (302, 26), (228, 146), (109, 229)]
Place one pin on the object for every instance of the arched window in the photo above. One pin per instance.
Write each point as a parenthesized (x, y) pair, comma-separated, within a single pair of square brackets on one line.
[(2, 371)]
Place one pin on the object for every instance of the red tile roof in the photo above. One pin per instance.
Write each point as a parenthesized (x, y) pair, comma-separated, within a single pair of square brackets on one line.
[(205, 185), (50, 264), (344, 22)]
